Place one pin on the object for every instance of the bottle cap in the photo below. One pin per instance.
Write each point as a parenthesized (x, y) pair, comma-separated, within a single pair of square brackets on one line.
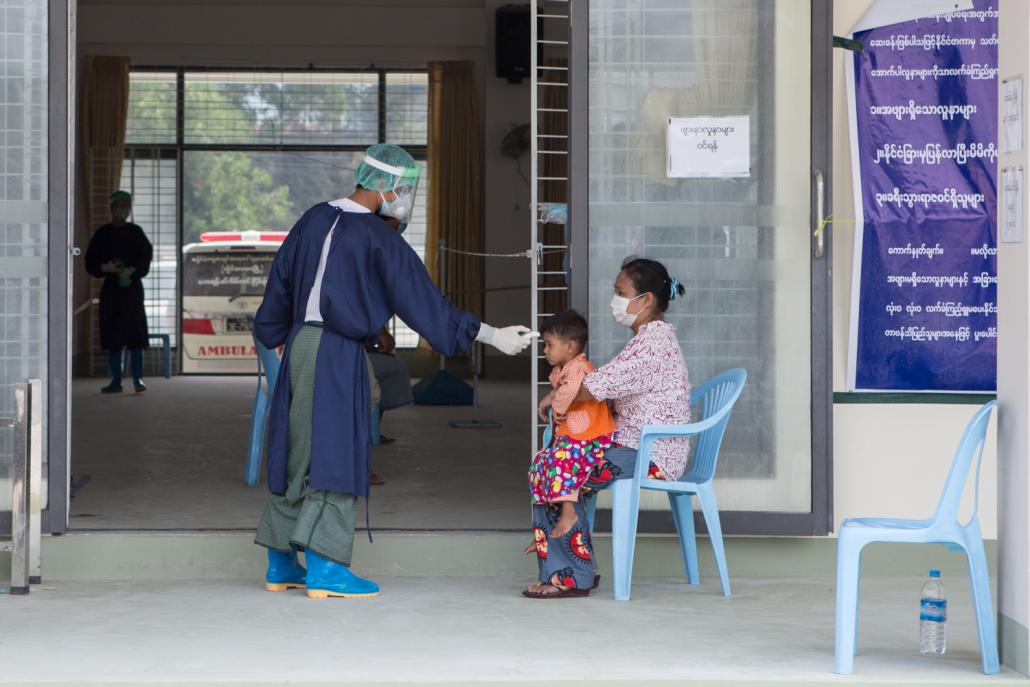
[(935, 573)]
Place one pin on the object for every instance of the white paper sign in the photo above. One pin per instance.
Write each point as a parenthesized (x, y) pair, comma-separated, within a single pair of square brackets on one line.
[(1012, 115), (1012, 205), (709, 147)]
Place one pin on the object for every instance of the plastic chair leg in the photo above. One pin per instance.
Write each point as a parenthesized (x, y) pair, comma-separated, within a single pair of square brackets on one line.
[(979, 580), (375, 425), (683, 516), (624, 534), (168, 358), (711, 512), (858, 603), (257, 440), (848, 555)]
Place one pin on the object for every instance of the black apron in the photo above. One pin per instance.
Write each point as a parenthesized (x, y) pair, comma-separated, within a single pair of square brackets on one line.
[(123, 319)]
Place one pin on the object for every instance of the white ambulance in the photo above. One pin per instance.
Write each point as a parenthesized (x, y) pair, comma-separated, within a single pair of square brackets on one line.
[(223, 282)]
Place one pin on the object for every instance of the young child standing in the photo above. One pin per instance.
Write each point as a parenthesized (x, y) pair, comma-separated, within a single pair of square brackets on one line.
[(584, 431)]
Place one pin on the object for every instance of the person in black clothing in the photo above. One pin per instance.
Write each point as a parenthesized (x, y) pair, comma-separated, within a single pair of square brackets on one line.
[(120, 254)]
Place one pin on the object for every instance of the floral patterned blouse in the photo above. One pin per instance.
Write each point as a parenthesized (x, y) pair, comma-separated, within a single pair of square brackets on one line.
[(649, 385)]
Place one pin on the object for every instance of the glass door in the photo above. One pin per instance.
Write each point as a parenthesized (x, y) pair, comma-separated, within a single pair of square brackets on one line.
[(23, 207), (735, 228)]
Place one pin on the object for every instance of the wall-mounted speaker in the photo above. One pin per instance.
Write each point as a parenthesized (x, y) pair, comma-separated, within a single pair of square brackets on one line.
[(511, 39)]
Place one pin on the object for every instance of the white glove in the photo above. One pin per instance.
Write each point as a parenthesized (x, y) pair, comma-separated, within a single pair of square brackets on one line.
[(507, 340)]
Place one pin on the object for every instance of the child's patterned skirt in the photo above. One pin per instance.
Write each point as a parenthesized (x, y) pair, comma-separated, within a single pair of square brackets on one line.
[(562, 469)]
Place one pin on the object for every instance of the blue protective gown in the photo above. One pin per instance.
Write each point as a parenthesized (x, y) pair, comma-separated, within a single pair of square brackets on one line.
[(371, 274)]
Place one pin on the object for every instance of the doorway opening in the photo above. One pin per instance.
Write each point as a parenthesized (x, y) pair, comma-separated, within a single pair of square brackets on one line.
[(221, 162)]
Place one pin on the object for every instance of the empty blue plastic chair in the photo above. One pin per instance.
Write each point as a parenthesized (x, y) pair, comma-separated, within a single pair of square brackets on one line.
[(717, 397), (942, 528), (268, 373)]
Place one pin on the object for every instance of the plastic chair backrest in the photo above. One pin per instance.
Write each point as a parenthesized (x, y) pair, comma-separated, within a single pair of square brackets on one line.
[(970, 447), (716, 395), (549, 429), (268, 361)]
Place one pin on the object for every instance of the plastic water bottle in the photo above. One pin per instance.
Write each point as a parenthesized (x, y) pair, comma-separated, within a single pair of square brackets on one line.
[(933, 616)]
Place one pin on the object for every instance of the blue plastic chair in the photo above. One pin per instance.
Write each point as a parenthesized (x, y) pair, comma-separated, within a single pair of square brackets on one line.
[(548, 437), (268, 372), (942, 528), (717, 397), (376, 440), (166, 355)]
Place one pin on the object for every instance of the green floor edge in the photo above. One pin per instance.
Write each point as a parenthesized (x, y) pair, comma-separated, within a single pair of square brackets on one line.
[(1013, 638)]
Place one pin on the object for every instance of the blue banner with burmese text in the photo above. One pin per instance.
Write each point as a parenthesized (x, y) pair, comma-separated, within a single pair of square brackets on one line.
[(925, 134)]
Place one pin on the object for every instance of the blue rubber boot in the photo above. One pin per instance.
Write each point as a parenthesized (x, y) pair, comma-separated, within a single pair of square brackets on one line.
[(284, 571), (114, 361), (328, 578)]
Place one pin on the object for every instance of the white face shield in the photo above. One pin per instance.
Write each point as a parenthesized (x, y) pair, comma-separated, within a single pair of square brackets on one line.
[(404, 184), (402, 207)]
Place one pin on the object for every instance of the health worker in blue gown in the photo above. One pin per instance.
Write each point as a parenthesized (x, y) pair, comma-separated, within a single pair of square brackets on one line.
[(338, 278)]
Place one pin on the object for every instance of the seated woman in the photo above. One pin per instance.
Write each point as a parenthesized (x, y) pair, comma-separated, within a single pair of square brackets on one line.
[(647, 384)]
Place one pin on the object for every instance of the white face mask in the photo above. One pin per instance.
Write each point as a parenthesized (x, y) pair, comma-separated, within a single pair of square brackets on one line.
[(400, 208), (620, 310)]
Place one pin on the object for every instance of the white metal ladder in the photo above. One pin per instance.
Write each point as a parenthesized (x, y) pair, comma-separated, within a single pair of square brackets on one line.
[(549, 140)]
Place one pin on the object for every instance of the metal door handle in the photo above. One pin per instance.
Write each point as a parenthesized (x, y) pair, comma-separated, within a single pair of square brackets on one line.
[(820, 210)]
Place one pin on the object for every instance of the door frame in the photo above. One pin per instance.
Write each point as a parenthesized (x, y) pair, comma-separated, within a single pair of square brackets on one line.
[(819, 521), (61, 156), (60, 213)]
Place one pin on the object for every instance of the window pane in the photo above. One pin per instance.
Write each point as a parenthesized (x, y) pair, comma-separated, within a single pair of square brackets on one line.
[(239, 190), (415, 235), (295, 108), (151, 179), (407, 108), (262, 191), (259, 191), (151, 108)]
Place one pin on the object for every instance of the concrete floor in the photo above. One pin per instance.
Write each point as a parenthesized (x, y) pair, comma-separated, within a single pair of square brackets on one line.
[(474, 630), (173, 458), (450, 613)]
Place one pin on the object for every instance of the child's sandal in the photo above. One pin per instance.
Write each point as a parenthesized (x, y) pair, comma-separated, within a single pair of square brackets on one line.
[(560, 592)]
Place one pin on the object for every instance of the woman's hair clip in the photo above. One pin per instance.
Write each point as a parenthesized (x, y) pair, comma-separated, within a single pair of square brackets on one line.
[(674, 288)]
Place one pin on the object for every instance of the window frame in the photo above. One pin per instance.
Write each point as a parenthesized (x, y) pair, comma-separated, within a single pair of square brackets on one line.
[(180, 146)]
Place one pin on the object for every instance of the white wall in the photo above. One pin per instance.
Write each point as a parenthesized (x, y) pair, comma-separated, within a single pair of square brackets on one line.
[(507, 193), (1014, 376), (888, 460), (344, 33)]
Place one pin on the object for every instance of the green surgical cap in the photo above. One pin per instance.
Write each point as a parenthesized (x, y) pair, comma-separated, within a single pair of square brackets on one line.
[(387, 167), (119, 196)]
